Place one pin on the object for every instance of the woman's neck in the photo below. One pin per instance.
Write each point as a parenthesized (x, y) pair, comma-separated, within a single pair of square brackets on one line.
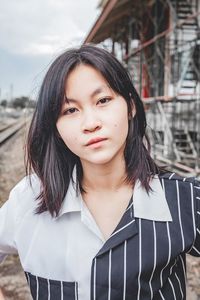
[(104, 177)]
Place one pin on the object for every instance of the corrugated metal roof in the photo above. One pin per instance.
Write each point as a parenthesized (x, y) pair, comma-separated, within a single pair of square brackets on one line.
[(114, 12)]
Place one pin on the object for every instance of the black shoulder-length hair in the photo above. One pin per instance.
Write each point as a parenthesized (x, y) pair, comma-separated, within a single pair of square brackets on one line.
[(50, 158)]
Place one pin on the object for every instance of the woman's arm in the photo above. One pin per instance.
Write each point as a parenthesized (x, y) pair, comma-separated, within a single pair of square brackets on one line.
[(8, 217), (195, 250), (1, 295)]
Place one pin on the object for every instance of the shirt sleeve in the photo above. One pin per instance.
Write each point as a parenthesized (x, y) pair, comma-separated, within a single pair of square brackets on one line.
[(7, 226), (195, 250)]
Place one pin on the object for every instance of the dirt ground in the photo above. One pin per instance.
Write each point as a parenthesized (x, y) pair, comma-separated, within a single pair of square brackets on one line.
[(12, 279)]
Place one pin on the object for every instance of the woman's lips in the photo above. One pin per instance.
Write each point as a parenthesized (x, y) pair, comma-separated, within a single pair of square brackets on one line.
[(95, 141)]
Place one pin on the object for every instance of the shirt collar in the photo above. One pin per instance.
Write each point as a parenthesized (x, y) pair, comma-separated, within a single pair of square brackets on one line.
[(152, 206), (72, 201)]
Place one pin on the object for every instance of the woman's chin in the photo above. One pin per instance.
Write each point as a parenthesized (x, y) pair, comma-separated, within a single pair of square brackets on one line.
[(100, 159)]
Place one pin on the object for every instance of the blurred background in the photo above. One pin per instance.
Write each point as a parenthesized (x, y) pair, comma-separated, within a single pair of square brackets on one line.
[(158, 41)]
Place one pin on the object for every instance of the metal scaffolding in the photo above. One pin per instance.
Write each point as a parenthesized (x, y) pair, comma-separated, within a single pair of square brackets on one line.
[(158, 41)]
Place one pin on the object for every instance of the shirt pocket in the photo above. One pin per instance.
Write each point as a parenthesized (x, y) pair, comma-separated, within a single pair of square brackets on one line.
[(48, 289)]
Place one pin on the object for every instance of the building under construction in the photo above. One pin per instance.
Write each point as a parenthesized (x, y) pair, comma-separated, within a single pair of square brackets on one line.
[(158, 41)]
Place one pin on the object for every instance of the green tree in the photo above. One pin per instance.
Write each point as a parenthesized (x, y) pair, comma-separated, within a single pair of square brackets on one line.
[(4, 103), (20, 102)]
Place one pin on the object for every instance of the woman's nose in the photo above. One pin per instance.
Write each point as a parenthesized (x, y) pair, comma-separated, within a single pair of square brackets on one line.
[(91, 122)]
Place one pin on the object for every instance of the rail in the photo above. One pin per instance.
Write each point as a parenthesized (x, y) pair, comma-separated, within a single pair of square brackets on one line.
[(10, 130)]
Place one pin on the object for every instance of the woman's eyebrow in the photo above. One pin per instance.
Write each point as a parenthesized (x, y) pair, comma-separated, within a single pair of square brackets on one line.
[(99, 90), (94, 93)]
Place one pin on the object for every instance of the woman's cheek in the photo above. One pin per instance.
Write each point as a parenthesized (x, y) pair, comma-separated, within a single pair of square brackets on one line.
[(71, 142)]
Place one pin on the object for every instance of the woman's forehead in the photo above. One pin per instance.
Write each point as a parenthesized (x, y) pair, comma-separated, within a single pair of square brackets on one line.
[(84, 73), (85, 79)]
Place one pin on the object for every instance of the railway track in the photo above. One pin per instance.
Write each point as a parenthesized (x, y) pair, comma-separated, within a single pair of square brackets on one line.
[(7, 131), (2, 128)]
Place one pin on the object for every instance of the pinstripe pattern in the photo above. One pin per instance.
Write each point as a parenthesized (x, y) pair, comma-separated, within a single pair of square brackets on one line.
[(61, 290), (42, 288), (140, 247), (192, 206), (124, 288), (169, 255), (155, 276), (197, 251), (28, 278), (143, 259), (76, 291), (161, 295), (179, 285), (183, 268), (37, 288), (49, 294), (122, 228), (170, 177), (171, 284), (154, 258), (169, 244), (179, 215), (94, 281), (109, 274)]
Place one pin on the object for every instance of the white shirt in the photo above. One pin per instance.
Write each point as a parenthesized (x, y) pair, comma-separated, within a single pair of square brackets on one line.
[(62, 248)]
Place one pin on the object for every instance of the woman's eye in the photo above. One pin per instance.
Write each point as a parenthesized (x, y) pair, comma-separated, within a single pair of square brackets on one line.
[(69, 111), (104, 100)]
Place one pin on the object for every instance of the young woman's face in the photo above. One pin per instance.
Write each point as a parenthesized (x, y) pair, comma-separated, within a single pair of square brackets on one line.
[(94, 124)]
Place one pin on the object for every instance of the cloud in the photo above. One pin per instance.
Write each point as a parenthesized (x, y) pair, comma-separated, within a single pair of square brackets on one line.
[(43, 26), (34, 32)]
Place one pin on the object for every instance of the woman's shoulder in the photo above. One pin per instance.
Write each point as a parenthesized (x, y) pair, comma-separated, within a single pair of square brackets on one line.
[(22, 202), (24, 194), (30, 183), (169, 176), (182, 186)]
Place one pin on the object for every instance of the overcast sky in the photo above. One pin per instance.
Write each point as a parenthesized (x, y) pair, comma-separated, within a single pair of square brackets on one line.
[(32, 33)]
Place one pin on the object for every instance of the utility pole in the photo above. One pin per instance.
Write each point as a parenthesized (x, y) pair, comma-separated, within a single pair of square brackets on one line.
[(11, 92)]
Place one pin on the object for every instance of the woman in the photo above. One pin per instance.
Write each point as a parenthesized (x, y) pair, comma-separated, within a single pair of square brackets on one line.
[(97, 219)]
